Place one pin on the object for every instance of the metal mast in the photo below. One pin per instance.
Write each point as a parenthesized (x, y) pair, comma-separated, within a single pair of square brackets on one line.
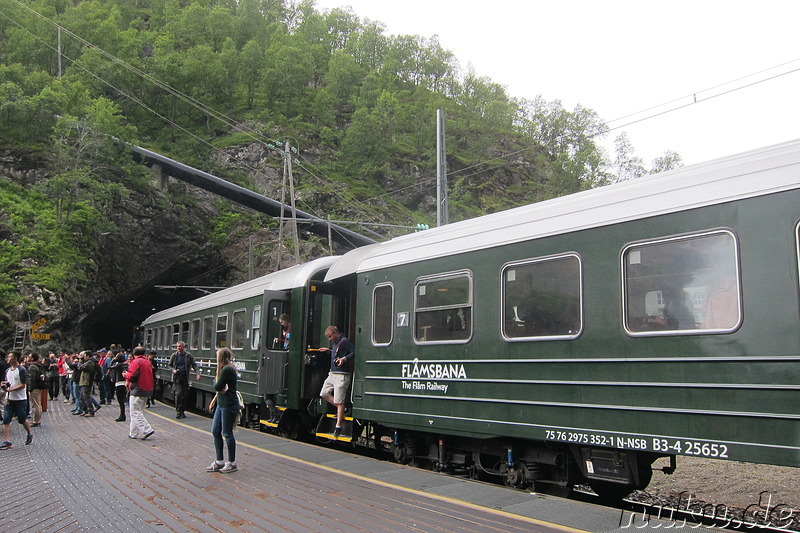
[(442, 216)]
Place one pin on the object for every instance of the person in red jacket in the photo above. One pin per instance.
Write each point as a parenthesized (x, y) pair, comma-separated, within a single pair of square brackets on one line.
[(139, 381)]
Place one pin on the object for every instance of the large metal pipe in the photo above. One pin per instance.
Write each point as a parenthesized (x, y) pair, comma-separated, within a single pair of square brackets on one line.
[(246, 197)]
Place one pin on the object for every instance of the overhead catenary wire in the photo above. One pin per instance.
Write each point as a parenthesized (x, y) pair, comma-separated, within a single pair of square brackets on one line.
[(651, 113)]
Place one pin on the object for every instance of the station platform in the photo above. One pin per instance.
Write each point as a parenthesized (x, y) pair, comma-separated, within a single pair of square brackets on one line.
[(85, 474)]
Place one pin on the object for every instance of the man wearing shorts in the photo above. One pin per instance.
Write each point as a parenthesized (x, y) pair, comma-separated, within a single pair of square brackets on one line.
[(17, 399), (337, 384)]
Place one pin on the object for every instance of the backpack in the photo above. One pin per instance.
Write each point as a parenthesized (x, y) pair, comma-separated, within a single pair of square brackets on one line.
[(239, 412), (98, 372)]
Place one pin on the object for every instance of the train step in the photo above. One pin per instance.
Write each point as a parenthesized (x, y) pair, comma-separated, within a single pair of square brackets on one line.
[(327, 425), (275, 420)]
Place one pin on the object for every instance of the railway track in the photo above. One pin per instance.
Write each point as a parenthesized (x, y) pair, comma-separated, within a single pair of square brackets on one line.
[(684, 510)]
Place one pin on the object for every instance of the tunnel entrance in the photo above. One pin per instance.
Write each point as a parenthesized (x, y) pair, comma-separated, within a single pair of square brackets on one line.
[(116, 321)]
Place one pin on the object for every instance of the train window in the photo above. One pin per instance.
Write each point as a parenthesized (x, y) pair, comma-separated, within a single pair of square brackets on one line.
[(162, 337), (149, 339), (443, 308), (196, 334), (185, 332), (222, 330), (255, 326), (682, 285), (176, 334), (542, 299), (278, 334), (239, 329), (382, 314), (208, 332)]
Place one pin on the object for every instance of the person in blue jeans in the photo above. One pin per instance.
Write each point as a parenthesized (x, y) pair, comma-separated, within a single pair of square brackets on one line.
[(227, 407)]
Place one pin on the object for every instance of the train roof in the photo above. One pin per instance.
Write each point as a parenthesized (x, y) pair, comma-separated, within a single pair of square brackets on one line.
[(714, 182), (290, 278)]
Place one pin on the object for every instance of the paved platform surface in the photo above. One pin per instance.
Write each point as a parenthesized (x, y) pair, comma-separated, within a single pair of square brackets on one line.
[(85, 474)]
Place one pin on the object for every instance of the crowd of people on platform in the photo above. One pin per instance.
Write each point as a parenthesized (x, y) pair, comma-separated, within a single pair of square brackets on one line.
[(130, 377), (30, 380)]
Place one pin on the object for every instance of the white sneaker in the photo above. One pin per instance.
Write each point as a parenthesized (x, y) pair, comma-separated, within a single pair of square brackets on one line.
[(228, 468), (215, 467)]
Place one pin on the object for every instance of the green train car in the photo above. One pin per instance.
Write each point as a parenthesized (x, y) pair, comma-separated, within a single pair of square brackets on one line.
[(245, 318), (571, 341)]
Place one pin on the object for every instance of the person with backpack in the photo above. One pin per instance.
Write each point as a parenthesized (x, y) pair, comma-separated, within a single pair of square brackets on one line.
[(37, 382), (117, 370), (14, 384), (139, 379), (225, 413)]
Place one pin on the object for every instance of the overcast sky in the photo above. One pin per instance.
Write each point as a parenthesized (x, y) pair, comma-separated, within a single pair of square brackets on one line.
[(620, 57)]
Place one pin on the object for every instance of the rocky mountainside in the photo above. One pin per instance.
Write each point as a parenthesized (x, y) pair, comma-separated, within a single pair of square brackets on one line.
[(150, 245)]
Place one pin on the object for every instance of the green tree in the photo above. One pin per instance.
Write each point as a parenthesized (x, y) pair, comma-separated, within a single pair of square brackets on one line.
[(570, 140), (288, 70), (252, 62), (626, 163), (369, 45), (667, 161)]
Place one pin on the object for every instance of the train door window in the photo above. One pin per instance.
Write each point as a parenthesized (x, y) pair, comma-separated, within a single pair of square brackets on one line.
[(443, 308), (382, 315), (196, 334), (208, 332), (542, 299), (277, 335), (325, 309), (255, 327), (149, 338), (239, 330), (222, 330), (185, 332), (176, 333), (162, 338), (682, 285)]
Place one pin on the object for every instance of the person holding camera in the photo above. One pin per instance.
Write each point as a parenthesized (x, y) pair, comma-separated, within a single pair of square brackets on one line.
[(17, 399)]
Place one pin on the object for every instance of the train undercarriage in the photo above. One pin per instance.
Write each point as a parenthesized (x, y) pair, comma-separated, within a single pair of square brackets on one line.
[(549, 468)]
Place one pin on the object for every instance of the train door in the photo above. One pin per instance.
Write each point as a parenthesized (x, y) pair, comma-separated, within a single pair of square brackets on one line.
[(273, 371), (327, 306)]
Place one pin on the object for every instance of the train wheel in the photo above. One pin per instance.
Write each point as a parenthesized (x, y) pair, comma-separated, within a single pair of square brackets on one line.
[(401, 453), (516, 476)]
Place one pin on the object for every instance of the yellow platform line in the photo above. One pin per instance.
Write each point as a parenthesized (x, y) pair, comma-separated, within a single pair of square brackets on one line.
[(359, 477)]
